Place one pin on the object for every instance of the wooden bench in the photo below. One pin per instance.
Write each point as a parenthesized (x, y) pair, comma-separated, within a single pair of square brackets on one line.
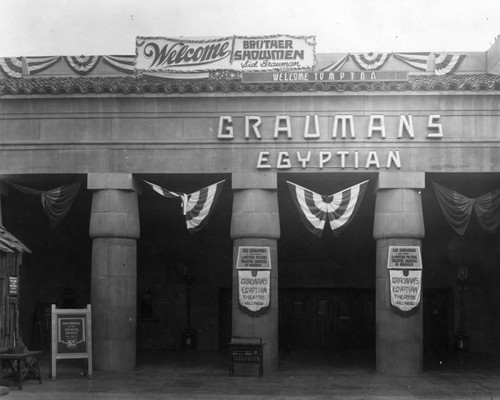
[(19, 367), (246, 350)]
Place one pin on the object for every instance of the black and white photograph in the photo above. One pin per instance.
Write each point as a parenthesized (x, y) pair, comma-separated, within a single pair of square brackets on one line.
[(249, 199)]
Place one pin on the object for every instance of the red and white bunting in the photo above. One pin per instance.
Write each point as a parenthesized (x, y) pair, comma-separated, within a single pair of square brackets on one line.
[(336, 65), (125, 64), (416, 60), (12, 66), (82, 65), (56, 202), (447, 63), (370, 61), (339, 208), (39, 64), (196, 206)]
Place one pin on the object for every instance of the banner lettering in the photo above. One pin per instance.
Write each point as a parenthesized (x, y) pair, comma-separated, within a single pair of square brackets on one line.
[(239, 53)]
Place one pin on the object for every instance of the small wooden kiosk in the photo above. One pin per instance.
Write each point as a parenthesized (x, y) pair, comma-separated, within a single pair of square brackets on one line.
[(11, 253)]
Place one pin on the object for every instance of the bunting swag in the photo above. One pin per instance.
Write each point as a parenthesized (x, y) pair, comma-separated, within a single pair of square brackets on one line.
[(82, 65), (196, 206), (416, 60), (339, 208), (370, 61), (125, 64), (40, 64), (336, 65), (457, 208), (56, 202), (447, 63), (12, 67)]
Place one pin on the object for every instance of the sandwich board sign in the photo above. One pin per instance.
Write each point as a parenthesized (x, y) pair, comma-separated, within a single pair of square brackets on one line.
[(71, 336)]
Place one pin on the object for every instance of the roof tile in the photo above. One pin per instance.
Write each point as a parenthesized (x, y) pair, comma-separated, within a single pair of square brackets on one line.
[(141, 85)]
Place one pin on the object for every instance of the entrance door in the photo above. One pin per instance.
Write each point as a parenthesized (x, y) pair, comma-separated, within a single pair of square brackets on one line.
[(438, 323), (225, 317), (326, 321)]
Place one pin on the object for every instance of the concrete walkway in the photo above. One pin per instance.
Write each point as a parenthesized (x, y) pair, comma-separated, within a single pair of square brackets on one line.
[(203, 375)]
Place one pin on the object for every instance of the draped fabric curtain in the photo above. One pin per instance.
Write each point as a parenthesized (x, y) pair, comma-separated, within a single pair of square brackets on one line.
[(458, 208), (56, 202)]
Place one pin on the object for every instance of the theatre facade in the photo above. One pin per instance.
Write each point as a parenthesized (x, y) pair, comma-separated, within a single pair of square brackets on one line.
[(339, 206)]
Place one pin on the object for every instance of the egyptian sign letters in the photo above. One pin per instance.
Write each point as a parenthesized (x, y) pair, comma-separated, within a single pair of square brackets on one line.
[(333, 132)]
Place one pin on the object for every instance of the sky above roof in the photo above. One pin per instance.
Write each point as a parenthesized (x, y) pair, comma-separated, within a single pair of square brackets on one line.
[(96, 27)]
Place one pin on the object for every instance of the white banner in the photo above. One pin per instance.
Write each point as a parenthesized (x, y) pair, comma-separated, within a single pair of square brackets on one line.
[(405, 288), (254, 289), (239, 53), (405, 273), (404, 257), (254, 257)]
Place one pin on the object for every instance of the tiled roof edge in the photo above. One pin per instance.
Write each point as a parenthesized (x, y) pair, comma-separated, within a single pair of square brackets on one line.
[(141, 85)]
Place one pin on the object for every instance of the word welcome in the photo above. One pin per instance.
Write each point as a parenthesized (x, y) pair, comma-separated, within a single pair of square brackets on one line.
[(181, 53), (334, 76)]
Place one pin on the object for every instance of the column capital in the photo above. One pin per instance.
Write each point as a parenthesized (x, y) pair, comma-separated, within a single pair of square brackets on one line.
[(113, 181), (401, 180), (254, 180)]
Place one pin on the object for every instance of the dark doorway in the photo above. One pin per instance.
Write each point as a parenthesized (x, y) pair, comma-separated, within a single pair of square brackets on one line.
[(326, 321), (438, 323), (225, 317)]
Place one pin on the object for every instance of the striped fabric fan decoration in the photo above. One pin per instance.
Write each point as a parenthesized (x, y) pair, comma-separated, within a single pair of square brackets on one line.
[(196, 206), (370, 61), (12, 67), (338, 209), (82, 65), (447, 63)]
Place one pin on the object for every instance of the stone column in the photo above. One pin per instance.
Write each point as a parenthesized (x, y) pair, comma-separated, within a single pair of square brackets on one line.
[(398, 222), (114, 228), (255, 222)]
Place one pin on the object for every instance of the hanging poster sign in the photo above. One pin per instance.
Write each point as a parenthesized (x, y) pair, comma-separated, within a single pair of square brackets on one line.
[(404, 257), (405, 288), (13, 285), (254, 289), (253, 257), (405, 274), (238, 53)]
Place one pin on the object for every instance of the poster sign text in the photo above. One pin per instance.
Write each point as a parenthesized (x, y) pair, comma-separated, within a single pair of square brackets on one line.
[(405, 274), (253, 257), (238, 53), (254, 289)]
